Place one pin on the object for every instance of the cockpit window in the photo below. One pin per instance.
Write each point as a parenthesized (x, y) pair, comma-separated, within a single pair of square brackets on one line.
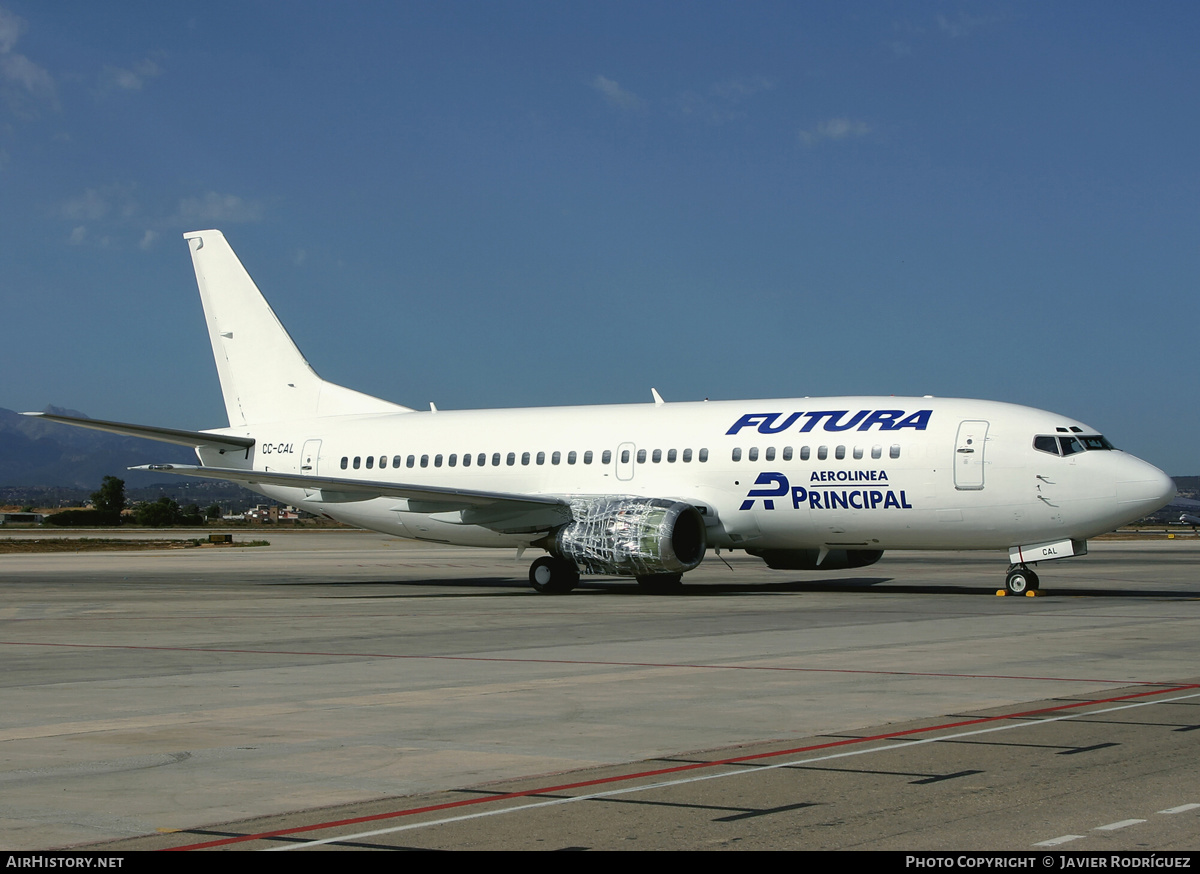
[(1065, 445), (1096, 441), (1070, 445), (1046, 444)]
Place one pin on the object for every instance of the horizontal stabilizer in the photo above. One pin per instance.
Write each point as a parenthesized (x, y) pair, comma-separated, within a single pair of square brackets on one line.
[(151, 432)]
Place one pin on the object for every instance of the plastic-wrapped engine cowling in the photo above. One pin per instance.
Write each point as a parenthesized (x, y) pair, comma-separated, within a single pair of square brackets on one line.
[(631, 536)]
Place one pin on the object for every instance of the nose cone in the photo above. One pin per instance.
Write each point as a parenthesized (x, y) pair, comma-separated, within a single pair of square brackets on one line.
[(1142, 488)]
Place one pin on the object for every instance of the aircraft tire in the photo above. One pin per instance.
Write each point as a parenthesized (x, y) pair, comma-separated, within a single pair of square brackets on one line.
[(553, 576), (661, 584), (1021, 580)]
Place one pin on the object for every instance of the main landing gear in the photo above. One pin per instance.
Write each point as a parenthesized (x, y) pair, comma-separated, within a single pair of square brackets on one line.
[(1020, 580), (556, 576), (553, 576)]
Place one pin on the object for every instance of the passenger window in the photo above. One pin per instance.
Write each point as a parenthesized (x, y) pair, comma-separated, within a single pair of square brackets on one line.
[(452, 460), (805, 453), (370, 461), (412, 461), (895, 451), (754, 453), (737, 454), (770, 454), (703, 455), (437, 460), (541, 458), (656, 456), (396, 460), (787, 453), (858, 452), (822, 453), (839, 453), (572, 457), (466, 459), (587, 457), (511, 459), (357, 461), (383, 461), (670, 456), (687, 455), (641, 456), (624, 456), (481, 460), (606, 458), (524, 458), (877, 452), (424, 461), (345, 462), (556, 457)]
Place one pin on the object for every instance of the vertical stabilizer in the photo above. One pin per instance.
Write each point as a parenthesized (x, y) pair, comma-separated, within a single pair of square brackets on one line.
[(264, 378)]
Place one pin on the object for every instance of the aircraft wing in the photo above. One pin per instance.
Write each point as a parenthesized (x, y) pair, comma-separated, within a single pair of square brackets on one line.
[(150, 432), (499, 511)]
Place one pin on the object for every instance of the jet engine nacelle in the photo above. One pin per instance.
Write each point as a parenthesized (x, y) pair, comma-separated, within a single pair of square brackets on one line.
[(630, 536), (806, 559)]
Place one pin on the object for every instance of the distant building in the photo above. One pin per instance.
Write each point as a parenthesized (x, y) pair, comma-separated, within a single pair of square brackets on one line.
[(22, 518)]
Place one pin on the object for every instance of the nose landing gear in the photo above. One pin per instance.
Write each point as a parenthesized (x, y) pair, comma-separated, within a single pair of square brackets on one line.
[(1020, 580)]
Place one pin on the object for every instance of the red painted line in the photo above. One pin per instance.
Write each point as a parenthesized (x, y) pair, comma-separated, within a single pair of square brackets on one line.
[(377, 655), (659, 772)]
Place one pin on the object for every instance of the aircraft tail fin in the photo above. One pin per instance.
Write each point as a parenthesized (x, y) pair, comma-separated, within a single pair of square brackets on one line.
[(264, 377)]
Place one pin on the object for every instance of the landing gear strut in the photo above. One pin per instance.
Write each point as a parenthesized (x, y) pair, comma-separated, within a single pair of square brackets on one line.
[(1020, 580), (553, 576)]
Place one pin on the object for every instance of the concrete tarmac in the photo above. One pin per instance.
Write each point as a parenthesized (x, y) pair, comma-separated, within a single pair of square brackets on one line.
[(187, 694)]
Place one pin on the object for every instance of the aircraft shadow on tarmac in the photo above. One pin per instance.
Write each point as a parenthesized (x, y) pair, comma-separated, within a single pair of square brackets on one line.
[(508, 587)]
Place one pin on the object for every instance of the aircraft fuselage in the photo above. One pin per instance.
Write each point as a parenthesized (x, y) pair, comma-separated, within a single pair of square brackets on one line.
[(876, 473)]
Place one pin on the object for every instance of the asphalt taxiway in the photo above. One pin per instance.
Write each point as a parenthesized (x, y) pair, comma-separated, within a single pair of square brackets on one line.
[(362, 691)]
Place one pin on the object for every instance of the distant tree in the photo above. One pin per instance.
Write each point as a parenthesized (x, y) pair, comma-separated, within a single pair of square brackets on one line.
[(158, 514), (79, 518), (214, 512), (109, 501), (190, 515)]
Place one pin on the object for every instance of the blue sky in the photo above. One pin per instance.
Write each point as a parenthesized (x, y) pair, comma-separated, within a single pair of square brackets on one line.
[(519, 203)]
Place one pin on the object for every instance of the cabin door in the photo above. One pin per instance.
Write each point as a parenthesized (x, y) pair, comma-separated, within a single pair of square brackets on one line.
[(968, 454), (308, 457)]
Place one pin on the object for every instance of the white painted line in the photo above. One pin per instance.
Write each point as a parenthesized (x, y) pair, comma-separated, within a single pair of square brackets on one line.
[(1054, 842), (1113, 826), (629, 790), (1180, 809)]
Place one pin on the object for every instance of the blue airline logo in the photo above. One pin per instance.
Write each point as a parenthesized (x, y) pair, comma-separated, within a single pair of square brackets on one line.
[(834, 420), (776, 485)]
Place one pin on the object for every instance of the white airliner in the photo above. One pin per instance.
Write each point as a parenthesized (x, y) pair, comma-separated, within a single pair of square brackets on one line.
[(645, 490)]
